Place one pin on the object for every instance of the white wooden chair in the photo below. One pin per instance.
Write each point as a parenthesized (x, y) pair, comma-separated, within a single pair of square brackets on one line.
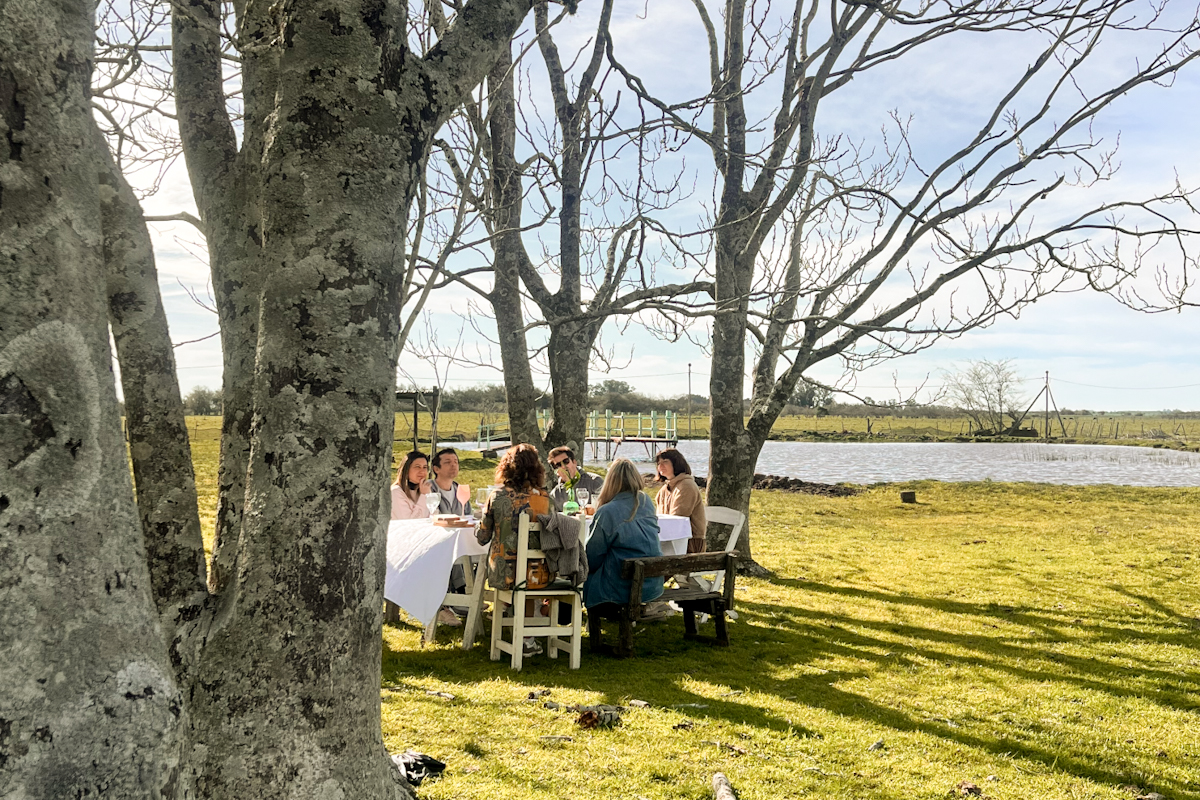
[(565, 638), (715, 582)]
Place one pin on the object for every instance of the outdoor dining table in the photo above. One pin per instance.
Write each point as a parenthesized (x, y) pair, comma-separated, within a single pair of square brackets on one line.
[(673, 534), (420, 555), (419, 558)]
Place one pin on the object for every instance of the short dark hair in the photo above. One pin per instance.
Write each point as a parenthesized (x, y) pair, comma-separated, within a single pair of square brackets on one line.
[(521, 466), (678, 462), (436, 461), (562, 451)]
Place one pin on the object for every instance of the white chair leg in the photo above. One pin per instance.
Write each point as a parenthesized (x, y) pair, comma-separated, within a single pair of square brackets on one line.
[(552, 640), (518, 635), (576, 631), (475, 610), (497, 624)]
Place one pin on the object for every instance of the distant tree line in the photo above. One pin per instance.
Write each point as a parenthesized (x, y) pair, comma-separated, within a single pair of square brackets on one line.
[(621, 397), (202, 402)]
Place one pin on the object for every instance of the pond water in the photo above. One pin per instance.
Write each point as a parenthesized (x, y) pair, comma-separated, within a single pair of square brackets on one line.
[(860, 462), (864, 463)]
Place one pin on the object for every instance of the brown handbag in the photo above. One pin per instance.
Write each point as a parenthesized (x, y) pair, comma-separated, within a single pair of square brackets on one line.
[(537, 576)]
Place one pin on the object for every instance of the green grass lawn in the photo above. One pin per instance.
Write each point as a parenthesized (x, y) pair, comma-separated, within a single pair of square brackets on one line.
[(1039, 641)]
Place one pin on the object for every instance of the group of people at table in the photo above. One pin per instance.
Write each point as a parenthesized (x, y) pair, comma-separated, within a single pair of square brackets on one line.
[(625, 522)]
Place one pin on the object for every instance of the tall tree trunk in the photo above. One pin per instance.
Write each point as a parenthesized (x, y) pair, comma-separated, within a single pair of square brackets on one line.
[(90, 704), (155, 425), (293, 705), (733, 450), (570, 348), (289, 705), (226, 186), (510, 254)]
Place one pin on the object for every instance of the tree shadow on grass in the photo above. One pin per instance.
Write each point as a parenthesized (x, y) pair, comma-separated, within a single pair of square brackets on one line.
[(771, 640), (662, 662), (1054, 628)]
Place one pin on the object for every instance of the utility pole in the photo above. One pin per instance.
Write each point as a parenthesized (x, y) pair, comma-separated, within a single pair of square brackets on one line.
[(1048, 406), (689, 401)]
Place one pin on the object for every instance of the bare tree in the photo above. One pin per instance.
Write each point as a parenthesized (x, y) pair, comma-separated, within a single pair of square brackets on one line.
[(91, 704), (598, 256), (987, 392), (268, 685), (825, 249)]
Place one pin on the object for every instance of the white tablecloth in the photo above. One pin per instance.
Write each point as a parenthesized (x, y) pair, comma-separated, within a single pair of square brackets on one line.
[(673, 534), (419, 557)]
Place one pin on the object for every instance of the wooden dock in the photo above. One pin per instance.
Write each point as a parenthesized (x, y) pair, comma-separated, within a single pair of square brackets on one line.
[(605, 432), (654, 431)]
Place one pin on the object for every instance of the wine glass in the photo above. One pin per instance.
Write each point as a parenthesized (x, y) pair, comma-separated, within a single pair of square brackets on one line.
[(583, 496), (481, 496), (432, 501), (463, 494)]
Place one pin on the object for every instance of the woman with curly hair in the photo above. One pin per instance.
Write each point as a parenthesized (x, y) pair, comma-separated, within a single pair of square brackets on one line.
[(522, 480)]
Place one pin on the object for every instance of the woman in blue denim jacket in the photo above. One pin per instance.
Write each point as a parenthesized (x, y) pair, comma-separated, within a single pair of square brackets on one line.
[(625, 526)]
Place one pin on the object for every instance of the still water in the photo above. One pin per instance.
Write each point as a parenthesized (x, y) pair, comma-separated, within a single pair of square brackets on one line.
[(854, 462)]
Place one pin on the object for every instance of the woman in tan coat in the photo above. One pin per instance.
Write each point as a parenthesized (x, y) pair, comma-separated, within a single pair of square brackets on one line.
[(681, 496)]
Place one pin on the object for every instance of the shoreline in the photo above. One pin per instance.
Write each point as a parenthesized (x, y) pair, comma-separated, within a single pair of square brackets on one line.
[(888, 438)]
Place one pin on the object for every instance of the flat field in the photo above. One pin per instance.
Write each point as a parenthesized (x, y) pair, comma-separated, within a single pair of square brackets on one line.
[(1124, 429), (1036, 641), (1129, 430)]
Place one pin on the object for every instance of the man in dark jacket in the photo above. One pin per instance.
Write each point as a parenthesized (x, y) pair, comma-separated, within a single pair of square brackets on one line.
[(570, 476)]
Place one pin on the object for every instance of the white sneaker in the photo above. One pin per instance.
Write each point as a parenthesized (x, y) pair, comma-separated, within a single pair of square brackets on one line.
[(447, 617)]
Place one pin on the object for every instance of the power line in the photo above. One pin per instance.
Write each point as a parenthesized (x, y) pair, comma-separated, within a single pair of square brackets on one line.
[(859, 386), (1130, 388)]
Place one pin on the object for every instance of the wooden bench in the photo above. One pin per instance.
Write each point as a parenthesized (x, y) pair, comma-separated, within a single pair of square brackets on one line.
[(691, 599)]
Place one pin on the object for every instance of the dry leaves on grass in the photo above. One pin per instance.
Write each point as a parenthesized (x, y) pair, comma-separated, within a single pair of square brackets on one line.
[(602, 716), (969, 789)]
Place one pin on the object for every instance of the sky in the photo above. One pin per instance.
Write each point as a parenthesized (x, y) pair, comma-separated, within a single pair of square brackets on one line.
[(1098, 353)]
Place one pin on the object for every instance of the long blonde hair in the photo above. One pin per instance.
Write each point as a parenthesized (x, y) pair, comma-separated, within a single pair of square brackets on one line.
[(622, 476)]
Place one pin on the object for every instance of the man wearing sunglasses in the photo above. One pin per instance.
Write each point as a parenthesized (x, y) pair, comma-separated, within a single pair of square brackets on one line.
[(570, 476)]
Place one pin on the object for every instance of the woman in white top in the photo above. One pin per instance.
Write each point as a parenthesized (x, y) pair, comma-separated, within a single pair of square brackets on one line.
[(411, 486)]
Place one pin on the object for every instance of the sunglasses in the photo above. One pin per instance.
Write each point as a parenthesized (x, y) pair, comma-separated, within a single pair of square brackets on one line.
[(559, 464)]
